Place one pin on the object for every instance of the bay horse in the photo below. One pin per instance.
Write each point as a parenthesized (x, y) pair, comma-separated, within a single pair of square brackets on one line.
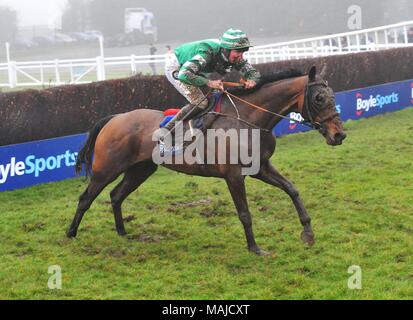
[(124, 143)]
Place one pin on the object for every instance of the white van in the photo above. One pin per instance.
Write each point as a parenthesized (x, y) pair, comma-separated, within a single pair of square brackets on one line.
[(140, 19)]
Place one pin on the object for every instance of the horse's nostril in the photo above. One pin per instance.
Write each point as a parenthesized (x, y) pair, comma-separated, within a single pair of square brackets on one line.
[(340, 136)]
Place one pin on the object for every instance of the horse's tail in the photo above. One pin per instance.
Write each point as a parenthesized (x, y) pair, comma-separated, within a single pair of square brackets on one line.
[(85, 155)]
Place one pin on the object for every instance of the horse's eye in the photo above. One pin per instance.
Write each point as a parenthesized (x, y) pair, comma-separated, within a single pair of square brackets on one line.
[(319, 98)]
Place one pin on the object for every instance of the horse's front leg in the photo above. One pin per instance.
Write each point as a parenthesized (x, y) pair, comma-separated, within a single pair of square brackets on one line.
[(236, 185), (271, 176)]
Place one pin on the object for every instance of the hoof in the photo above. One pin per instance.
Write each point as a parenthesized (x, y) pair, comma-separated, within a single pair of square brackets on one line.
[(263, 253), (308, 238), (122, 233), (260, 252), (71, 234)]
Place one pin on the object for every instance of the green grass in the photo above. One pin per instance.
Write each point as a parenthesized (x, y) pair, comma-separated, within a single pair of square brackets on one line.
[(190, 245)]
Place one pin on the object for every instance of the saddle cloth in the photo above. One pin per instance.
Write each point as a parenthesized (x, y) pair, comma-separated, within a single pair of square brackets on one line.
[(215, 101)]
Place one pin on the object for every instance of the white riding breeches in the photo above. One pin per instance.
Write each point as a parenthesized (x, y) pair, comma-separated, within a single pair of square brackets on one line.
[(193, 94)]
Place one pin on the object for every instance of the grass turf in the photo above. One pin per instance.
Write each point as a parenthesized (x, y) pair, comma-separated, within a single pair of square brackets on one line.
[(190, 245)]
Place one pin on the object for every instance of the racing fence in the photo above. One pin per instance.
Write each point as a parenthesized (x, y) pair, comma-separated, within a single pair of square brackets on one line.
[(32, 163)]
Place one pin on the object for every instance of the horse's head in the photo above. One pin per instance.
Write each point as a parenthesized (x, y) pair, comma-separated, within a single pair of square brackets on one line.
[(320, 109)]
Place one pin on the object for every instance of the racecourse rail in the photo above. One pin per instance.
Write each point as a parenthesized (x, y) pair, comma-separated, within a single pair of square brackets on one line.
[(76, 71), (33, 163)]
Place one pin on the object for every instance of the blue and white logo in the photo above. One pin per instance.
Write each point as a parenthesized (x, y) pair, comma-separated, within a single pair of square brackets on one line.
[(32, 163), (364, 105), (34, 166)]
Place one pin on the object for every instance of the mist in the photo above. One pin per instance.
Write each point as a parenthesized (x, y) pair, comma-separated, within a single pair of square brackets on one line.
[(35, 12), (60, 29), (186, 20)]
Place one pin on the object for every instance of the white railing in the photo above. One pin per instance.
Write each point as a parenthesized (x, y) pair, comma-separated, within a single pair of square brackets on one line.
[(75, 71), (386, 37)]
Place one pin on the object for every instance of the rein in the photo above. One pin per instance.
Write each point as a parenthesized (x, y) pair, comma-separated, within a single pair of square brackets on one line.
[(312, 124), (265, 110)]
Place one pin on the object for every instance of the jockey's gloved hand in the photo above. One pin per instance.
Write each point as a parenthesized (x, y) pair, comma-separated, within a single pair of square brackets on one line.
[(250, 84), (216, 84)]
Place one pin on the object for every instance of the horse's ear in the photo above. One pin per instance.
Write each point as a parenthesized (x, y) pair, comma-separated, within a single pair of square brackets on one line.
[(323, 72), (312, 73)]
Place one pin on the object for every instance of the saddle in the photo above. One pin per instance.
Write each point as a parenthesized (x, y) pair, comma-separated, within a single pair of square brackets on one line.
[(198, 122), (214, 104)]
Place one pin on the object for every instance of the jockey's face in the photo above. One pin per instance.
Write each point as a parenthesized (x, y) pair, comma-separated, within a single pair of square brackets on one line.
[(235, 56)]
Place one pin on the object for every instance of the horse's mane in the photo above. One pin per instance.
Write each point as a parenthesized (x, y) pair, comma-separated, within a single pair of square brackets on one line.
[(268, 78)]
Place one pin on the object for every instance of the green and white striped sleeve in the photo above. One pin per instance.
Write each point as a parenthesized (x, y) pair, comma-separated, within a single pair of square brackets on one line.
[(189, 72)]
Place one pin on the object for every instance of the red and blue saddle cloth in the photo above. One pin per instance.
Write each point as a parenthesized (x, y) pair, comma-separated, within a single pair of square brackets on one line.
[(170, 113)]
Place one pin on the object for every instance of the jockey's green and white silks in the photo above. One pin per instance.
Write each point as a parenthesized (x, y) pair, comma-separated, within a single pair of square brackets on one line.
[(234, 39), (202, 57)]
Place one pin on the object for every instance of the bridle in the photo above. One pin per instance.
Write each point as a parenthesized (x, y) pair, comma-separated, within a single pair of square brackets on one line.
[(311, 109)]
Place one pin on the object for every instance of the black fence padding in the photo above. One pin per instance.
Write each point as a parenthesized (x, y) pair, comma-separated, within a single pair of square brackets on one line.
[(40, 114)]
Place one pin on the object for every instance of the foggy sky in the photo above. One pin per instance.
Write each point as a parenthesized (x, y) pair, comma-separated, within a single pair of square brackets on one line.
[(48, 13), (35, 12)]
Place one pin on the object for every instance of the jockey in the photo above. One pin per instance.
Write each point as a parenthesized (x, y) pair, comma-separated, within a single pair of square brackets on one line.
[(186, 68)]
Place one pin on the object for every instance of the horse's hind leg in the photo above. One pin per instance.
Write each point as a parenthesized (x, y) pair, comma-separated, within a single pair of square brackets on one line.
[(271, 176), (134, 177), (94, 188)]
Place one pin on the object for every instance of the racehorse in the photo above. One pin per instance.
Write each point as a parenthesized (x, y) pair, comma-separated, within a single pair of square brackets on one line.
[(124, 143)]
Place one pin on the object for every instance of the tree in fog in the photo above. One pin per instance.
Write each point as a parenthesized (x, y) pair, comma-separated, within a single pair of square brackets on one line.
[(8, 24), (106, 16), (76, 16)]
